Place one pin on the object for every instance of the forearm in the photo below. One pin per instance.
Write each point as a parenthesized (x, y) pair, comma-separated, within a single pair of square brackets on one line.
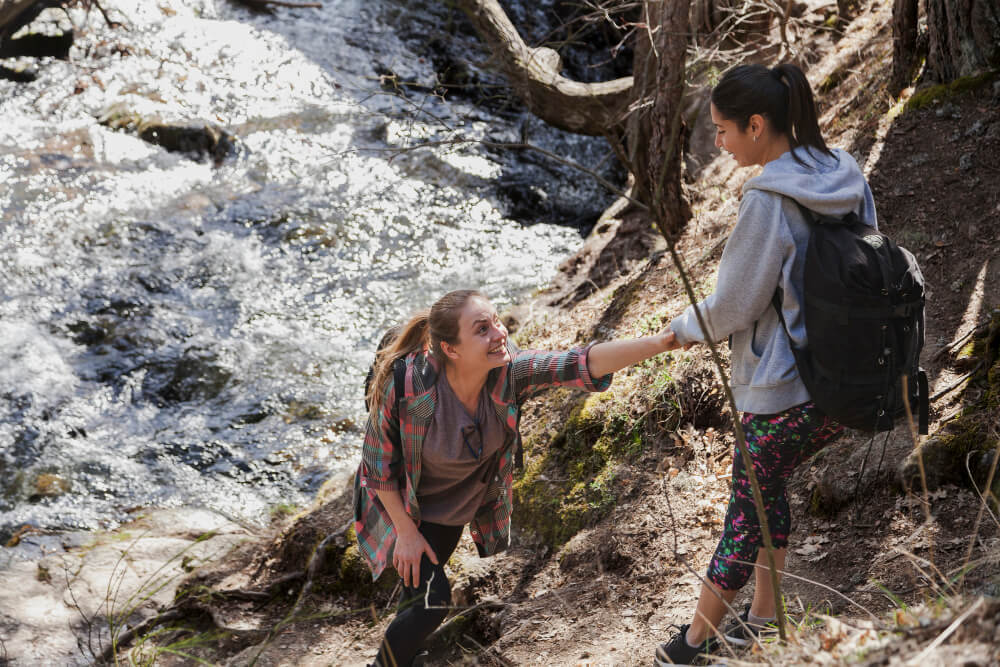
[(614, 355), (393, 504)]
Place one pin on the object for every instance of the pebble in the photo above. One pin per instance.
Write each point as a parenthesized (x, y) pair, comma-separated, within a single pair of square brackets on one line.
[(976, 129)]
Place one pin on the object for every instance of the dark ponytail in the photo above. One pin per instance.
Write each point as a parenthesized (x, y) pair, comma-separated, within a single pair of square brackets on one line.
[(781, 94)]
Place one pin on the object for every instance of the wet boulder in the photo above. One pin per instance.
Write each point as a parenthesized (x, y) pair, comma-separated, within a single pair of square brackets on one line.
[(199, 140), (49, 485)]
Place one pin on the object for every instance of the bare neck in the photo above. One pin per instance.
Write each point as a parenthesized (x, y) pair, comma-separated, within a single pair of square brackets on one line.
[(778, 146), (466, 386)]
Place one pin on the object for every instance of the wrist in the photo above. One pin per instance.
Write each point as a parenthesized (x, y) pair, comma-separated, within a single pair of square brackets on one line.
[(406, 528)]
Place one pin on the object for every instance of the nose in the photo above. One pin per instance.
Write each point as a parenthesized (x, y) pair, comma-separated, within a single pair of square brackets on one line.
[(718, 140)]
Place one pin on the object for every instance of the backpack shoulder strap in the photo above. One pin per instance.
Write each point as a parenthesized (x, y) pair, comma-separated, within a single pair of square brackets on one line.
[(399, 380)]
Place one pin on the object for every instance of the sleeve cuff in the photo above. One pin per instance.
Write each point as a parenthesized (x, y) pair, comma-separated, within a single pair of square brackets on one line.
[(590, 383), (379, 484)]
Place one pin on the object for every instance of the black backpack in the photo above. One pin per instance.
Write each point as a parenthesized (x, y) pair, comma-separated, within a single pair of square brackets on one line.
[(398, 368), (864, 316)]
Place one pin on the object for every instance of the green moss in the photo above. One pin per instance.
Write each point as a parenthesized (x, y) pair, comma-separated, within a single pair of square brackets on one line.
[(354, 577), (934, 94), (572, 483), (833, 79)]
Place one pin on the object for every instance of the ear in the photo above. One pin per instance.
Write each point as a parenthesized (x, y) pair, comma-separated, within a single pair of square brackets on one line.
[(756, 124), (449, 350)]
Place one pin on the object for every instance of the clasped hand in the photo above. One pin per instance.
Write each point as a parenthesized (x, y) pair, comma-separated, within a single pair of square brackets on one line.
[(410, 547), (670, 342)]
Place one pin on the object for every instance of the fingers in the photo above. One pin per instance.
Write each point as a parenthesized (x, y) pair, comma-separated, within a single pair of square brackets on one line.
[(403, 567), (430, 553), (414, 573)]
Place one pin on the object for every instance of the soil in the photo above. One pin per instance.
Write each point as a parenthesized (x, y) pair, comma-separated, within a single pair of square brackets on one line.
[(860, 545)]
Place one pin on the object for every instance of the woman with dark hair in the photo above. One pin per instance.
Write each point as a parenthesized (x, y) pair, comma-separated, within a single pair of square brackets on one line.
[(438, 450), (764, 117)]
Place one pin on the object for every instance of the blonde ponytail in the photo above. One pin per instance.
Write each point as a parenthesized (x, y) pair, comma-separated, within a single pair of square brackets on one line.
[(425, 330), (412, 338)]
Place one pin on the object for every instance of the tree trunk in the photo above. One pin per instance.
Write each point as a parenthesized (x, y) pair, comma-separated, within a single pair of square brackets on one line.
[(654, 130), (533, 73), (964, 38), (15, 14), (904, 43)]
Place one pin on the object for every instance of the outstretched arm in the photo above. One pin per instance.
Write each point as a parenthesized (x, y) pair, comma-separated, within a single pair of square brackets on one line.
[(614, 355)]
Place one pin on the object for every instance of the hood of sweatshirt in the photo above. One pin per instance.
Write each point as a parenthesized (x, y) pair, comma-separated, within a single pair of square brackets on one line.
[(832, 186)]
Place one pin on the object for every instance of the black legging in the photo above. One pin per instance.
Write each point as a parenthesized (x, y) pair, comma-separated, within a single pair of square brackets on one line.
[(414, 622)]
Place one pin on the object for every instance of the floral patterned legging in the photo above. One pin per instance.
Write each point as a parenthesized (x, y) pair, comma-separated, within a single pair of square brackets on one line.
[(777, 444)]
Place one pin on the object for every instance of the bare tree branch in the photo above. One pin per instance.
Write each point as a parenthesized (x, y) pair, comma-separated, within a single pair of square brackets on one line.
[(533, 73)]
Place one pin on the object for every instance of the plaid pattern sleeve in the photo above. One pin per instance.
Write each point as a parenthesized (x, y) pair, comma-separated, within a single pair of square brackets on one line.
[(534, 371), (381, 458)]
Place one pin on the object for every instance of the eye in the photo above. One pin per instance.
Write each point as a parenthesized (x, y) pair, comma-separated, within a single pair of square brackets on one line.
[(483, 328)]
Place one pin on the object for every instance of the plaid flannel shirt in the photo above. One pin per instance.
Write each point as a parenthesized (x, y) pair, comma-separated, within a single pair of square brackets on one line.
[(385, 467)]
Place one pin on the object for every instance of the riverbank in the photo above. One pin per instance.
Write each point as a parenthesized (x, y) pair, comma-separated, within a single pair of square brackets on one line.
[(621, 499), (620, 502), (209, 218)]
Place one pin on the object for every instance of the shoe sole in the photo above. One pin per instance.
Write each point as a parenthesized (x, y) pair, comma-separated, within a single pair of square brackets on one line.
[(738, 641)]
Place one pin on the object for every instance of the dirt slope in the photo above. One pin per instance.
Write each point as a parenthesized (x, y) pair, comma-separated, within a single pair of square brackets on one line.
[(651, 517)]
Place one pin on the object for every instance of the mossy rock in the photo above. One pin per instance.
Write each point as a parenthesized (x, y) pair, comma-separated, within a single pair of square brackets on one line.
[(572, 485), (941, 92)]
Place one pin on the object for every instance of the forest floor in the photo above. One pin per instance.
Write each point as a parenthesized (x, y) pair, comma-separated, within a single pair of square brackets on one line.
[(862, 549)]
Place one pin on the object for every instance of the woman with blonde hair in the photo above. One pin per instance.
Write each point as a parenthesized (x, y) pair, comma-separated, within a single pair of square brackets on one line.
[(439, 450)]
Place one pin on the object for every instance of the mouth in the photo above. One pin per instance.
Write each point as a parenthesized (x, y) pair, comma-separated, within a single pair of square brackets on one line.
[(501, 348)]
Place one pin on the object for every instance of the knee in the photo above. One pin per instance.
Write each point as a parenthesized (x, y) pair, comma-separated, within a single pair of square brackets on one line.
[(439, 589)]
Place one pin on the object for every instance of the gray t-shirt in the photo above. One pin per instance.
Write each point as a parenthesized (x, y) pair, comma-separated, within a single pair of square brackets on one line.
[(455, 476)]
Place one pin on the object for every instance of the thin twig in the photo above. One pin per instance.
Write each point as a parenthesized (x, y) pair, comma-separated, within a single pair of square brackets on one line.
[(957, 383), (461, 615), (920, 461), (485, 649), (920, 659), (958, 341), (107, 656), (983, 497), (786, 573), (610, 187)]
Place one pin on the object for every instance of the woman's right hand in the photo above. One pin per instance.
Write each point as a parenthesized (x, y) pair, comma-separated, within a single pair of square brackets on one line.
[(410, 547)]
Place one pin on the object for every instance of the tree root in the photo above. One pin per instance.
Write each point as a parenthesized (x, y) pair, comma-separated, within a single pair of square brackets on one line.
[(166, 616)]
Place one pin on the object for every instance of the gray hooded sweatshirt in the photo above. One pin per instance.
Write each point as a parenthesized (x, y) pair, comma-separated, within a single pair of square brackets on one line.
[(766, 249)]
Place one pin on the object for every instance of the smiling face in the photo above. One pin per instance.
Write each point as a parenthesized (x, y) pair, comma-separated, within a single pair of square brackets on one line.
[(739, 143), (482, 338)]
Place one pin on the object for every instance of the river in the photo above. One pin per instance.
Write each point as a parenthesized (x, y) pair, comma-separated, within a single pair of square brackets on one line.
[(175, 332)]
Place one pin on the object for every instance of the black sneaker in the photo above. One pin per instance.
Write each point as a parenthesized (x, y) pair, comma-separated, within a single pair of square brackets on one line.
[(742, 632), (677, 652)]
